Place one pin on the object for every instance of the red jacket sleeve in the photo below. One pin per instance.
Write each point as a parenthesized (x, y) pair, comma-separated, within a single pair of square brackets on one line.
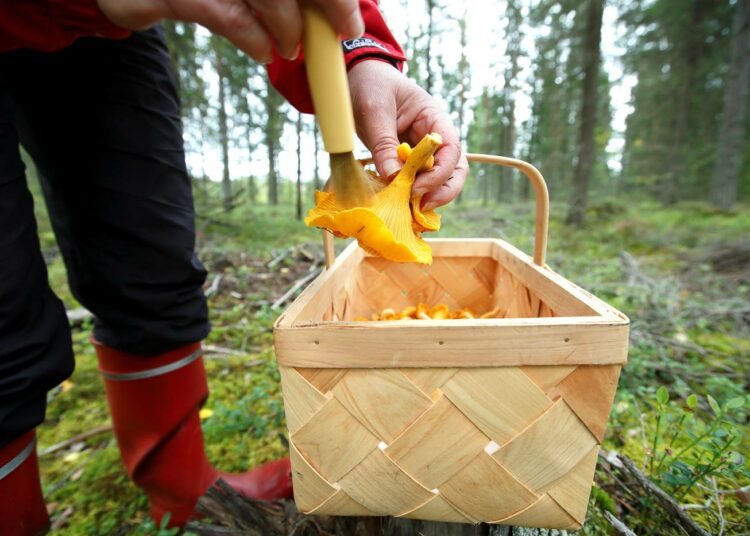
[(290, 79), (49, 25)]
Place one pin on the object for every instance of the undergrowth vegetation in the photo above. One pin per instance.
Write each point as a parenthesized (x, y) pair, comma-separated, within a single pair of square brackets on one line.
[(681, 411)]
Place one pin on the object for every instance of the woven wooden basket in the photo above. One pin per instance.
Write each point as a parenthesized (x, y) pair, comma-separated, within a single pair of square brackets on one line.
[(495, 420)]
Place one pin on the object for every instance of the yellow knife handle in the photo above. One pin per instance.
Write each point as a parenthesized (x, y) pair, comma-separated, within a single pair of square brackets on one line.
[(326, 75)]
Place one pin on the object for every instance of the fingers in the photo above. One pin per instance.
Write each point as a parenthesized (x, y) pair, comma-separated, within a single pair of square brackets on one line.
[(235, 20), (446, 158), (378, 133), (283, 20), (344, 16), (450, 189), (375, 116)]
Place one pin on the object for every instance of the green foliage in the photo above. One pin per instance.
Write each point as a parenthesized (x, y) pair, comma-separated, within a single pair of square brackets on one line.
[(679, 51), (690, 445)]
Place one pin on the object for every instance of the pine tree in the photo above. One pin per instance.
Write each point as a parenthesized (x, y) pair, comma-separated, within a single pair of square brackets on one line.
[(729, 147), (589, 106)]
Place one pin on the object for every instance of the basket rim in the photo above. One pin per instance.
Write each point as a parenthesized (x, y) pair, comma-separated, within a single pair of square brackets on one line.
[(598, 335), (479, 247)]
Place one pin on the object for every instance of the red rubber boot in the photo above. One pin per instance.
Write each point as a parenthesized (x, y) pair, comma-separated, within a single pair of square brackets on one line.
[(154, 404), (22, 508)]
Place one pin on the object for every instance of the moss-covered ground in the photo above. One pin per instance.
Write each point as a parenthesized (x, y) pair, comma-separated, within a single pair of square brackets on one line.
[(690, 337)]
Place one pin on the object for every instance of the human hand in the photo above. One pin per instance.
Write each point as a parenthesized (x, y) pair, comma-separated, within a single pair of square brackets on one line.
[(389, 108), (254, 26)]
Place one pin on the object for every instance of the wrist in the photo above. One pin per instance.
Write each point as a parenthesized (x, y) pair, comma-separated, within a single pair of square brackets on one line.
[(368, 48)]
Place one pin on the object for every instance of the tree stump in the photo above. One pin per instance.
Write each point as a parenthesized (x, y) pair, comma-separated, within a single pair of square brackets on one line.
[(227, 513)]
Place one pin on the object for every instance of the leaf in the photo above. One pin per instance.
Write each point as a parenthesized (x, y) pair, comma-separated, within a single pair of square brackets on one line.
[(662, 395), (692, 401), (205, 413), (735, 403), (714, 405), (735, 458)]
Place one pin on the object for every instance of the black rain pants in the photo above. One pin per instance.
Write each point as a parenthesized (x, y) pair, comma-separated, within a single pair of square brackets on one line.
[(101, 121)]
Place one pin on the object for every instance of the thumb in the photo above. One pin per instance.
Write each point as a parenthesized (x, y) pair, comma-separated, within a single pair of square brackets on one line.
[(384, 156), (376, 127)]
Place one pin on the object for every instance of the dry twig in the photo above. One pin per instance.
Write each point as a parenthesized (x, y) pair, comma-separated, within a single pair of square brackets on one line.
[(670, 506), (75, 439), (618, 525)]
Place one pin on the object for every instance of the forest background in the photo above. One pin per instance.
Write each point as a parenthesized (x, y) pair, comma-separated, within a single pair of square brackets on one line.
[(635, 111)]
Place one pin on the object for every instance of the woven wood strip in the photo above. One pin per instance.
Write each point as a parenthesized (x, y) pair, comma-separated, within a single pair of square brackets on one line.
[(544, 513), (319, 440), (304, 476), (484, 489), (384, 401), (379, 445), (438, 509), (429, 379), (568, 490), (340, 504), (439, 443), (381, 486), (558, 440), (500, 401), (590, 391)]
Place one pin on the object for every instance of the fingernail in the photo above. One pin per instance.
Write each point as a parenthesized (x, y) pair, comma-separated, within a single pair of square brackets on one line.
[(295, 53), (389, 168), (429, 205)]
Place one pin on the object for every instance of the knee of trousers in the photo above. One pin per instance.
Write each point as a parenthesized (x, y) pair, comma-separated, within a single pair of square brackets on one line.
[(36, 354), (147, 311)]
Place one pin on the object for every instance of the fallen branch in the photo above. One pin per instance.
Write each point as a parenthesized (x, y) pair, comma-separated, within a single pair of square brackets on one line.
[(678, 516), (295, 287), (61, 520), (215, 285), (618, 525), (213, 349), (76, 439), (277, 260)]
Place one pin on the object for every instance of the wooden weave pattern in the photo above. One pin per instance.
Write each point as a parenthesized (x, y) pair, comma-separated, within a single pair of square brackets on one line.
[(511, 445), (495, 421), (479, 283)]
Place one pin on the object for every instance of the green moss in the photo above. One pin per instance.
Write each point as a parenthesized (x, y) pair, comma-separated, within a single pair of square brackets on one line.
[(674, 343)]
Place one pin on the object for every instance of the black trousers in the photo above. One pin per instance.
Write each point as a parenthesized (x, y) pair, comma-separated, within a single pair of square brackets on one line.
[(101, 121)]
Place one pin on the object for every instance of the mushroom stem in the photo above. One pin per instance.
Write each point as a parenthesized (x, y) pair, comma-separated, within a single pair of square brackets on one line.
[(417, 158)]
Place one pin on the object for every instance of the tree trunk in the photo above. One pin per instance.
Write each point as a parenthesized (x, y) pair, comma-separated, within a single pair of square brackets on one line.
[(729, 146), (584, 167), (463, 65), (299, 166), (514, 51), (316, 170), (226, 183), (686, 75), (428, 53), (485, 145), (273, 179)]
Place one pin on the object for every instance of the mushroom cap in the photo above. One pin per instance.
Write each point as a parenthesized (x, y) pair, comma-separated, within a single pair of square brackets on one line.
[(390, 225)]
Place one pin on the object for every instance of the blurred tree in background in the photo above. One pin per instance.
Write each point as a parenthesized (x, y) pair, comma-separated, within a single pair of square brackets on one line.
[(541, 90)]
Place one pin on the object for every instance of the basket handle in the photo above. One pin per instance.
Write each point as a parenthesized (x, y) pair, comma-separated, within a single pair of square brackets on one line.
[(540, 192)]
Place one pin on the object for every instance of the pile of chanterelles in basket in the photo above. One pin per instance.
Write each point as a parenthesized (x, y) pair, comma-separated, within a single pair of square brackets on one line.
[(423, 312), (390, 225)]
